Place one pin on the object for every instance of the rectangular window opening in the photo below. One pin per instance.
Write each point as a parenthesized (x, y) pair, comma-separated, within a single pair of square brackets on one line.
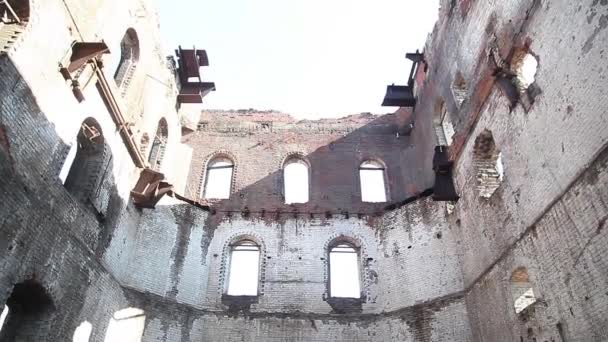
[(244, 271), (344, 273), (372, 185), (296, 183), (218, 183), (448, 128)]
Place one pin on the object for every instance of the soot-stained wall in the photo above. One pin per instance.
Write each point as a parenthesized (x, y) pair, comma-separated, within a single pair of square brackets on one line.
[(52, 242), (407, 257), (429, 271), (410, 271), (261, 141), (411, 284), (549, 211)]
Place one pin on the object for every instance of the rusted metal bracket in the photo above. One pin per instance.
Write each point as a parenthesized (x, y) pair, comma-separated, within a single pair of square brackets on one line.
[(403, 96), (90, 132), (189, 63), (151, 187), (81, 54)]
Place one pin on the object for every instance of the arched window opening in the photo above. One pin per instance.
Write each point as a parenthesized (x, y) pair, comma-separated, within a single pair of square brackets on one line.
[(90, 160), (487, 161), (447, 128), (129, 57), (373, 188), (295, 179), (521, 288), (459, 89), (159, 146), (344, 274), (14, 15), (26, 315), (444, 130), (218, 180), (126, 325), (83, 332), (243, 277)]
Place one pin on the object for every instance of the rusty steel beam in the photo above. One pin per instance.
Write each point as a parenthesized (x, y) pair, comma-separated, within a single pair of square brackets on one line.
[(116, 113), (82, 52)]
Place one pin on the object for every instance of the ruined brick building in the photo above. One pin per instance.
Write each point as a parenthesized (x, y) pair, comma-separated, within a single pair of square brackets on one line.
[(123, 206)]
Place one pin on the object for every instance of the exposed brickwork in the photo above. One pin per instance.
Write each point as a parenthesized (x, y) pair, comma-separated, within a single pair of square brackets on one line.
[(550, 206), (429, 271), (259, 144), (488, 164)]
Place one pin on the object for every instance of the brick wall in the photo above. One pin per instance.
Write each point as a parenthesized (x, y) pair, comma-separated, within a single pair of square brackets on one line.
[(48, 236), (427, 274), (260, 143), (548, 213), (442, 321), (408, 256), (174, 256)]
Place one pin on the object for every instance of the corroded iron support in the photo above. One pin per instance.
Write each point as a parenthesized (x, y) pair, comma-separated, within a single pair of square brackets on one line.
[(403, 95), (399, 96), (192, 88), (149, 189), (81, 54)]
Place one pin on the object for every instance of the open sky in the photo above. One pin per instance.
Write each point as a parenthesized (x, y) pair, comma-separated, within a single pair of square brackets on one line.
[(309, 58)]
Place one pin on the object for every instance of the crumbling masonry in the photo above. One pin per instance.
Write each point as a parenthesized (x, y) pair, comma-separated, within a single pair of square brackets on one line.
[(107, 232)]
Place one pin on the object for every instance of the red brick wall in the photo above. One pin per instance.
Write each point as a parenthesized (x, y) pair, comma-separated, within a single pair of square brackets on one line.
[(334, 148)]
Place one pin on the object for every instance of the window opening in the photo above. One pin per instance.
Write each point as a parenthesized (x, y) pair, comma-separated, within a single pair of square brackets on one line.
[(159, 146), (90, 158), (459, 89), (27, 313), (243, 277), (83, 332), (3, 316), (518, 83), (344, 278), (218, 181), (126, 325), (448, 129), (373, 189), (14, 15), (444, 129), (523, 293), (524, 65), (67, 164), (488, 164), (295, 179), (129, 57)]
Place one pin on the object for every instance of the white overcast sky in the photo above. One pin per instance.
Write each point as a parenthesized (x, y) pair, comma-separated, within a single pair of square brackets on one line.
[(309, 58)]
